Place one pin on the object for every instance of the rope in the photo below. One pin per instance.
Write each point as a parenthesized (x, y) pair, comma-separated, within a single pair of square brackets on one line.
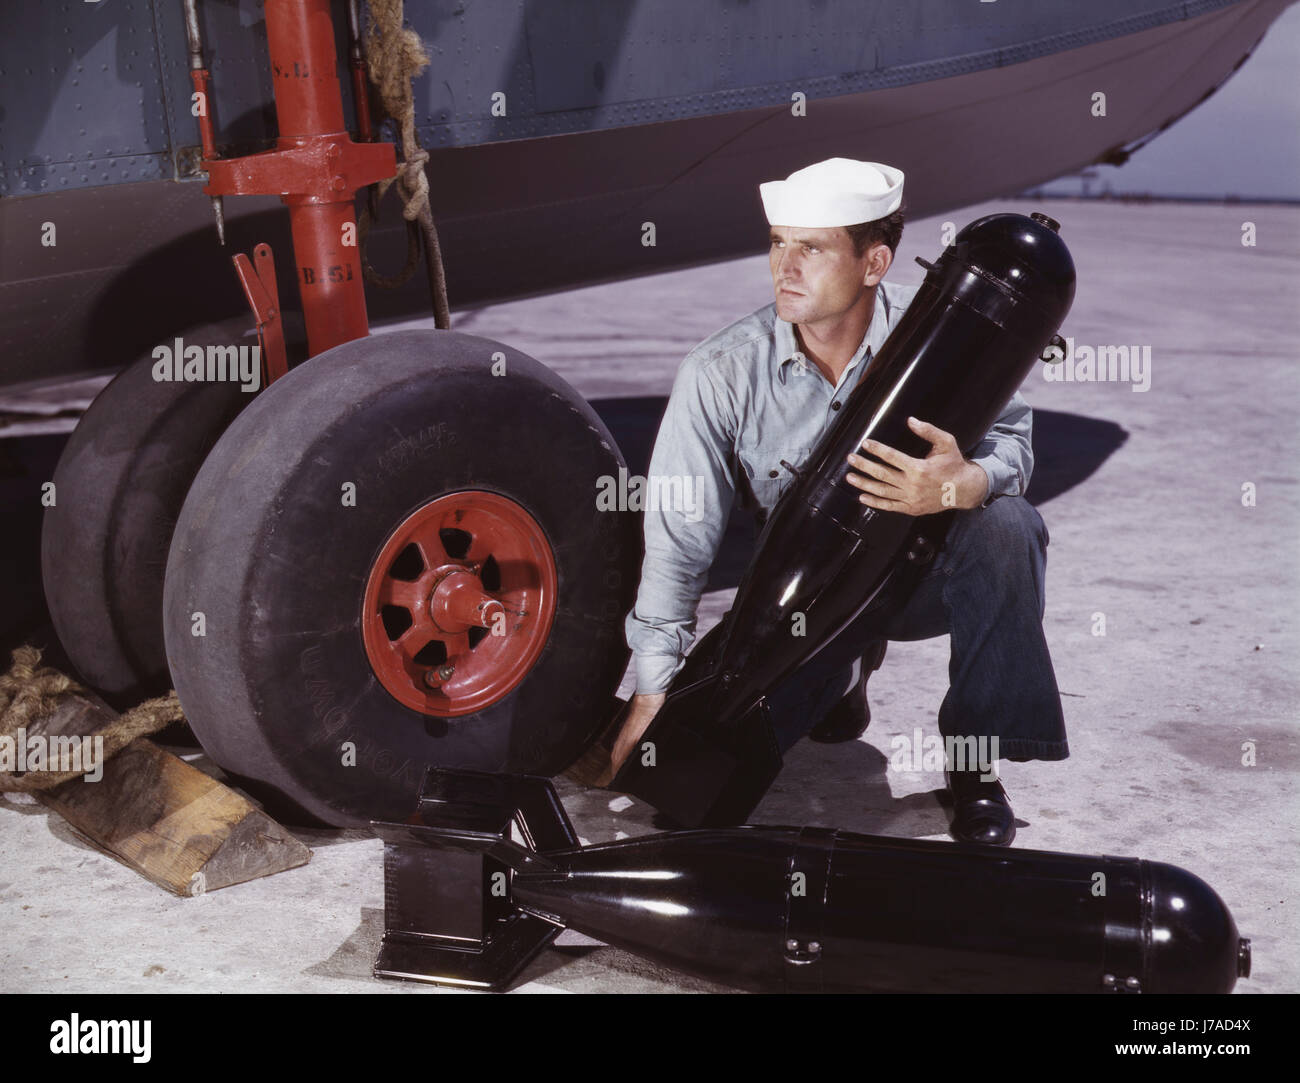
[(375, 278), (394, 57), (29, 694)]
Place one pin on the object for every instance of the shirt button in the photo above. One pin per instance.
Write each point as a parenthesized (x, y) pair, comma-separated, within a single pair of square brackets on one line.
[(773, 474), (835, 406)]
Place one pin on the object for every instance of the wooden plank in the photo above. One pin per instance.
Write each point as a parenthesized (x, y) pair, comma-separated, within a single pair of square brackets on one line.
[(173, 824)]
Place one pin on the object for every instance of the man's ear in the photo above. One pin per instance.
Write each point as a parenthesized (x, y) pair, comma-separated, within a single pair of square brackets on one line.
[(879, 260)]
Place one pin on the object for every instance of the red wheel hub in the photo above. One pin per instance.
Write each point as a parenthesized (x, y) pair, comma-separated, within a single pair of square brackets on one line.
[(459, 603)]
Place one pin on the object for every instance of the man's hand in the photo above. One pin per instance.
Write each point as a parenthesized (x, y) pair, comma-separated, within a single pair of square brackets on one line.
[(640, 714), (943, 479)]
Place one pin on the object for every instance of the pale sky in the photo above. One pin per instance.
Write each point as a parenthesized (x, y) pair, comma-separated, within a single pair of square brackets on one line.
[(1244, 141)]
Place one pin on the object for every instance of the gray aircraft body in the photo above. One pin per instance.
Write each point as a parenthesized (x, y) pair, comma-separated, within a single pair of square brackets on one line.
[(556, 131)]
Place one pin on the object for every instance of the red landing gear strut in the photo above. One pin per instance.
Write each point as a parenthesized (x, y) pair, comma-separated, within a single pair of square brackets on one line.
[(316, 170)]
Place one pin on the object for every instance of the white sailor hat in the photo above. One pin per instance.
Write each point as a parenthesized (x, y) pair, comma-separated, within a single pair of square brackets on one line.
[(836, 192)]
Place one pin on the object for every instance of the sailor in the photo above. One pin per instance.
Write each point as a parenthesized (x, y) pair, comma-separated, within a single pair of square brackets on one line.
[(751, 401)]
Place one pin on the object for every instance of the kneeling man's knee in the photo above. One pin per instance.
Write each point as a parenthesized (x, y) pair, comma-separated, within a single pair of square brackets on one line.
[(1008, 526), (1011, 517)]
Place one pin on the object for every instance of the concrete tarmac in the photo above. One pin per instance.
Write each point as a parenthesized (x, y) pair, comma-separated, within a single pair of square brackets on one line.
[(1172, 615)]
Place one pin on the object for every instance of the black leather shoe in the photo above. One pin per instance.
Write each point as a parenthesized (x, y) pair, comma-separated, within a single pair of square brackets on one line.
[(848, 720), (981, 810)]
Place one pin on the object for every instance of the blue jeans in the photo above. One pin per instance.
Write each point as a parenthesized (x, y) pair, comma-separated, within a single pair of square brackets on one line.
[(985, 590)]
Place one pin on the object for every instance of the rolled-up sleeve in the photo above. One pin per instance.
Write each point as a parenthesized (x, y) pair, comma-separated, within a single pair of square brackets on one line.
[(1006, 452), (691, 470)]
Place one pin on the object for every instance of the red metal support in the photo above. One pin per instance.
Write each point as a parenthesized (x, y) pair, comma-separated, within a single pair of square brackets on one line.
[(315, 169), (201, 79), (357, 61), (258, 280)]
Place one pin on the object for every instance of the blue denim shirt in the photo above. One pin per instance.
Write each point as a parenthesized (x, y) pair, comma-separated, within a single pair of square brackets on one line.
[(745, 399)]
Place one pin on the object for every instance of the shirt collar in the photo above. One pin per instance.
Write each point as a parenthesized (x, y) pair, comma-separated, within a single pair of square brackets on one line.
[(787, 344)]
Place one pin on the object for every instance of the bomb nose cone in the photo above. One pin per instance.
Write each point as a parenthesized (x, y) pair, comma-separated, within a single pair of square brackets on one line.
[(1194, 943), (1023, 254)]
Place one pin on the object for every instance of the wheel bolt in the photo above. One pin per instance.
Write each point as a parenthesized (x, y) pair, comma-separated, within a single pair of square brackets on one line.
[(435, 677)]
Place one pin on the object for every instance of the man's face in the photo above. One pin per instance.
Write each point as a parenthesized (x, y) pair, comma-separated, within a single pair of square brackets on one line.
[(816, 274)]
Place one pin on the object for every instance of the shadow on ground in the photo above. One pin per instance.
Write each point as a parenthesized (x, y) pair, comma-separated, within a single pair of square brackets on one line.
[(26, 463)]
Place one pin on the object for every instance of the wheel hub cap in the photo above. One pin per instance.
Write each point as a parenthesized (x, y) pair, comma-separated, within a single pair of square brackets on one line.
[(459, 603)]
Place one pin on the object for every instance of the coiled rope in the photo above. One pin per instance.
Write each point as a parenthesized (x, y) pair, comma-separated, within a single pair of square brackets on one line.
[(395, 55), (30, 692)]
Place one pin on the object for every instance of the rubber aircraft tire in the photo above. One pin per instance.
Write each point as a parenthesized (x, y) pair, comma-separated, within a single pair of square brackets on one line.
[(118, 490), (279, 688)]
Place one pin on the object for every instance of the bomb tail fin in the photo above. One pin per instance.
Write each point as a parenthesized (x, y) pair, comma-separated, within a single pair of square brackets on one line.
[(448, 914)]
